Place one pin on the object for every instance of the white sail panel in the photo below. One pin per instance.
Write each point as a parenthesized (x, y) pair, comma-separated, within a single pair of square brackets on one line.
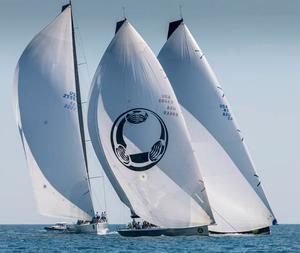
[(236, 206), (233, 187), (49, 201), (143, 135), (47, 116)]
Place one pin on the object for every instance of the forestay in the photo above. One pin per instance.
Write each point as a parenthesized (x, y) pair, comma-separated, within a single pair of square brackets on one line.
[(141, 139), (48, 120), (233, 187)]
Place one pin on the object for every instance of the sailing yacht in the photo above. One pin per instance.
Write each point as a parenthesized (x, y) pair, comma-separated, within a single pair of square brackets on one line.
[(50, 122), (234, 188), (141, 140)]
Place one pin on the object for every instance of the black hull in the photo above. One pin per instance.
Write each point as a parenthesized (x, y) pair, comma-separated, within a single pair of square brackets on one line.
[(260, 231), (189, 231)]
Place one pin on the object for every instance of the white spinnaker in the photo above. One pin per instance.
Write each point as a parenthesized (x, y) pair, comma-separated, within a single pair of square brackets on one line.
[(233, 187), (171, 193), (48, 121)]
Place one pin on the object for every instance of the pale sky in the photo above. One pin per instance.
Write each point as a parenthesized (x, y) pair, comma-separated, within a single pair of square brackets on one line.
[(252, 45)]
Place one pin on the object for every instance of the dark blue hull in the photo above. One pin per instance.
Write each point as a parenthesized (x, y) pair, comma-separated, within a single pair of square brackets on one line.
[(260, 231), (189, 231)]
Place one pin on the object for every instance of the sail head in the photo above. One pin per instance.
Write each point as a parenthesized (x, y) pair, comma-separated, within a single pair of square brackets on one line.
[(173, 26), (119, 24)]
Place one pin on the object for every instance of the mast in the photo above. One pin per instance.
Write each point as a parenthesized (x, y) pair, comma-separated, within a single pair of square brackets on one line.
[(78, 96)]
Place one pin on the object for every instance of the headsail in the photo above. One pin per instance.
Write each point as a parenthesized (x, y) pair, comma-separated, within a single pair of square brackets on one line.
[(141, 138), (234, 189), (49, 119)]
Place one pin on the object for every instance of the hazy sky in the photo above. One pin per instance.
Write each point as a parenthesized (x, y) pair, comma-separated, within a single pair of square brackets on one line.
[(252, 45)]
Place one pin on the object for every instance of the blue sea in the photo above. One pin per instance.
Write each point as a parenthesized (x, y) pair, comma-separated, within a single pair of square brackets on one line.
[(33, 238)]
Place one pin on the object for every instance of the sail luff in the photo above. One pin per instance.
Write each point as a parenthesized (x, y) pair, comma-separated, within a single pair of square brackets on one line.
[(94, 135)]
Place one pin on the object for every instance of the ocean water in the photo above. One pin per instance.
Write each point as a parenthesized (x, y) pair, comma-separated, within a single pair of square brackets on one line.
[(32, 238)]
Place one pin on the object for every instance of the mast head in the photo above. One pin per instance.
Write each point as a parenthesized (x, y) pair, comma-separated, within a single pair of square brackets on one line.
[(120, 23), (124, 12), (180, 11)]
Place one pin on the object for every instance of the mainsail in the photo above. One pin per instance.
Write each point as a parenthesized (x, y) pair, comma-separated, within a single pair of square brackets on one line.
[(140, 137), (233, 187), (49, 117)]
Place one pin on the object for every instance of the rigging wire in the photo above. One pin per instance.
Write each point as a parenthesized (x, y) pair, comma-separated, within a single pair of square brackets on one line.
[(227, 222), (104, 194), (81, 44), (85, 62)]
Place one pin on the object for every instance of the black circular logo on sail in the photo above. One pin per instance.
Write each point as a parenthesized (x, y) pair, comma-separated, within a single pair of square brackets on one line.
[(146, 128)]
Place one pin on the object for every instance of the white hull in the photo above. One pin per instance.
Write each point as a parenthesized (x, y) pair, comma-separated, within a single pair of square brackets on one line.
[(91, 228)]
